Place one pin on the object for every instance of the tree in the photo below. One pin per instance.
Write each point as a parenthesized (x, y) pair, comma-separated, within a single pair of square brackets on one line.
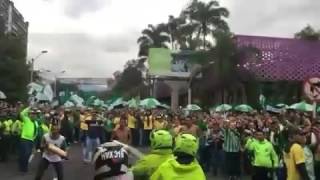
[(308, 33), (154, 36), (208, 17), (13, 68), (131, 82), (184, 34), (222, 77)]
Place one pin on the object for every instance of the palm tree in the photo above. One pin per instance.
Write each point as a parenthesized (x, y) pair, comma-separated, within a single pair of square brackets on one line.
[(184, 34), (154, 36), (209, 17), (222, 77)]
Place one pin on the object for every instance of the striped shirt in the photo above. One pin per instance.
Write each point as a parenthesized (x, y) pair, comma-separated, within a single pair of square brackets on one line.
[(231, 140)]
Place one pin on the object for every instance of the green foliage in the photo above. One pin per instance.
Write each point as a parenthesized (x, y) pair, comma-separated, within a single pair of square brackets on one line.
[(153, 36), (208, 17), (308, 33), (131, 80)]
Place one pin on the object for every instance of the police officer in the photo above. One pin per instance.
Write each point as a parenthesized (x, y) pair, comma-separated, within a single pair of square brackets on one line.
[(5, 138)]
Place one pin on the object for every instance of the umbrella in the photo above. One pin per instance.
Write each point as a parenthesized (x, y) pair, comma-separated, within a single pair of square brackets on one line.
[(68, 104), (301, 106), (281, 105), (118, 103), (2, 95), (193, 107), (90, 100), (243, 108), (42, 97), (150, 103), (223, 108), (98, 102), (133, 103), (77, 100), (164, 106)]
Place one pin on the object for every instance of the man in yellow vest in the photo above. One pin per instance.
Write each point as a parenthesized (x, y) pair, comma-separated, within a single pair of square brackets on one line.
[(184, 165), (147, 127), (16, 133), (132, 125), (28, 135), (5, 139)]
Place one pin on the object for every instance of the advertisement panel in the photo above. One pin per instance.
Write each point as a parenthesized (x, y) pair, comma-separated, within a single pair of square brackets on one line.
[(163, 62)]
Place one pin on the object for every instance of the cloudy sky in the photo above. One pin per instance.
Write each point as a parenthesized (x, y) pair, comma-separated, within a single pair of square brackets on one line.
[(94, 38)]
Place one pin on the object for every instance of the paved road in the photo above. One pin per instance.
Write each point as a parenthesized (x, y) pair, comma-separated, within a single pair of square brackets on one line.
[(75, 169)]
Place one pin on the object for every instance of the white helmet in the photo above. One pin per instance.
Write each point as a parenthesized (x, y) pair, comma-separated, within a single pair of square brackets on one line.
[(110, 160)]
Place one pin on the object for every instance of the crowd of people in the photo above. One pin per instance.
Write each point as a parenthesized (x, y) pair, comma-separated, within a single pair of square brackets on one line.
[(264, 145)]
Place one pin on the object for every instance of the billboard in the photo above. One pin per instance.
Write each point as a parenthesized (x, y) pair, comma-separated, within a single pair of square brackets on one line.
[(163, 62)]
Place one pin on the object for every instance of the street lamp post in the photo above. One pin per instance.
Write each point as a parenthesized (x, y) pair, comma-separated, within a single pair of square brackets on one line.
[(32, 64)]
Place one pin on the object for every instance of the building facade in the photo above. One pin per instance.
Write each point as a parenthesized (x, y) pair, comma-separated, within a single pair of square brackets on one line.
[(282, 59), (13, 21)]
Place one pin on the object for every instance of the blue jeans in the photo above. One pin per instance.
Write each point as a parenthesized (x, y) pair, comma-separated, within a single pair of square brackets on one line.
[(91, 145), (217, 160), (24, 154)]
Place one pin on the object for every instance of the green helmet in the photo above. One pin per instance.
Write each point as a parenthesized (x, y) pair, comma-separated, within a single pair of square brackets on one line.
[(161, 139), (186, 143)]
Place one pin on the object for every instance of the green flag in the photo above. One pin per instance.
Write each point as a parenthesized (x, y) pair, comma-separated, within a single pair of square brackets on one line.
[(262, 101)]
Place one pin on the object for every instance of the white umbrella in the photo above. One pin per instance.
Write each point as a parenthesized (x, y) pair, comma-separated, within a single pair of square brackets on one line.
[(2, 95), (42, 97)]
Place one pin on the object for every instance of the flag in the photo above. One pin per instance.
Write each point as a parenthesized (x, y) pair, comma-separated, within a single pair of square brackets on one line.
[(262, 101)]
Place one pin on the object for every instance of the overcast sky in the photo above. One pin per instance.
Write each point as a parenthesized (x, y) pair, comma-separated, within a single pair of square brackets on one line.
[(94, 38)]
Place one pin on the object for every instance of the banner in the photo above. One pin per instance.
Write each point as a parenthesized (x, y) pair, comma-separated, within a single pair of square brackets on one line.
[(163, 62), (159, 61)]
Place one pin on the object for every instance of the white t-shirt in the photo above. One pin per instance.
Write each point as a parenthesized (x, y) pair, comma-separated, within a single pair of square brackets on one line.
[(127, 176), (59, 142)]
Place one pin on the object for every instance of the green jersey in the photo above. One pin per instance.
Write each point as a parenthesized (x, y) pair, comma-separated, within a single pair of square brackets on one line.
[(264, 153)]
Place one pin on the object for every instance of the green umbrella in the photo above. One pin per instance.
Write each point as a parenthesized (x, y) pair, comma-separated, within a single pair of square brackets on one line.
[(69, 104), (133, 103), (243, 108), (164, 106), (150, 103), (223, 108), (281, 105), (118, 103), (301, 106), (193, 107), (98, 103), (90, 100), (318, 110)]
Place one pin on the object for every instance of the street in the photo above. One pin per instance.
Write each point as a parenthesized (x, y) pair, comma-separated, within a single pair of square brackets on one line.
[(74, 168)]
